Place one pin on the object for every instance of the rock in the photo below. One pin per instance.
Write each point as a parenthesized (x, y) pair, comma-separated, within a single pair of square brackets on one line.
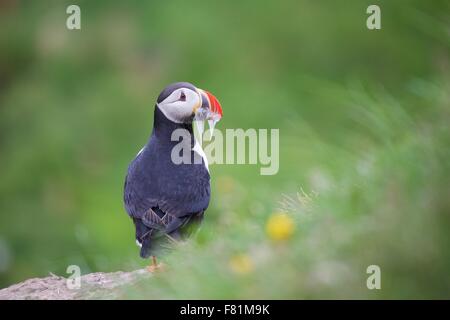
[(97, 285)]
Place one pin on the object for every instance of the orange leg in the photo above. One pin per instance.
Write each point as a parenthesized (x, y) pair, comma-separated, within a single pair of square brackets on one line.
[(154, 266)]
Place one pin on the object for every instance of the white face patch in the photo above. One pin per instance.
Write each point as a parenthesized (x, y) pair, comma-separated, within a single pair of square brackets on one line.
[(180, 105)]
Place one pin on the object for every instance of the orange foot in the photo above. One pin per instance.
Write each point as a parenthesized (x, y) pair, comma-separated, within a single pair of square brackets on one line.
[(153, 267)]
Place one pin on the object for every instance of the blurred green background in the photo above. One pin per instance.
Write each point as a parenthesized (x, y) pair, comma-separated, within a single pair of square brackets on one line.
[(364, 143)]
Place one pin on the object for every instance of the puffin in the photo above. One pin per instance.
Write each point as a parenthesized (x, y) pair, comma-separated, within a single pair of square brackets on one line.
[(167, 198)]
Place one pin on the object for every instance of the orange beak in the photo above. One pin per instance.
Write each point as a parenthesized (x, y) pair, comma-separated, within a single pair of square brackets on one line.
[(214, 104), (210, 108)]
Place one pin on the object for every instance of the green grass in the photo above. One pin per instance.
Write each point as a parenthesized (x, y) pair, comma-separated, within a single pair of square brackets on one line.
[(384, 203)]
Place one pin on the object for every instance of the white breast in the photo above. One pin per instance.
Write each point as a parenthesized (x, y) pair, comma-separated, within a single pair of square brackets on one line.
[(198, 149), (140, 151)]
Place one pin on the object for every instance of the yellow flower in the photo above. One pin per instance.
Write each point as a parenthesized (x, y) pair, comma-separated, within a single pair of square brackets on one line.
[(280, 226), (225, 184), (241, 264)]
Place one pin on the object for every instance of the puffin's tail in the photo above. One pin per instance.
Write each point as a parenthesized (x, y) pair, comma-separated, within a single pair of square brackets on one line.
[(143, 237), (145, 248)]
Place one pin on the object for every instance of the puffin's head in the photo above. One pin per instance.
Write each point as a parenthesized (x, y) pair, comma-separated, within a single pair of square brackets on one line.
[(182, 102)]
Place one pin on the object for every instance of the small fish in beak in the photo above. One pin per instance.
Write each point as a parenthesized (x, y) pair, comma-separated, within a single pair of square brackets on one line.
[(200, 125)]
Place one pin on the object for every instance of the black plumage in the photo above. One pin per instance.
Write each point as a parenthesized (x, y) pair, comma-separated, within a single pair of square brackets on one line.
[(164, 198)]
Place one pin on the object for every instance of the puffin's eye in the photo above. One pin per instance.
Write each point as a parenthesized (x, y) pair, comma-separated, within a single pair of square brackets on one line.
[(182, 96)]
